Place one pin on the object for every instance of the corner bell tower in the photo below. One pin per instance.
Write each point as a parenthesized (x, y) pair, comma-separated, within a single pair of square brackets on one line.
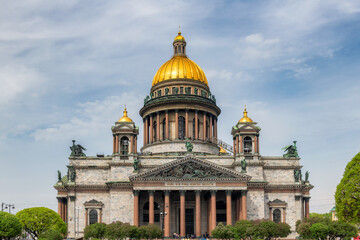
[(124, 137), (246, 138)]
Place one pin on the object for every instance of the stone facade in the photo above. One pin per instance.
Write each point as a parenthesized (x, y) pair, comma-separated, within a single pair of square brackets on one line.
[(182, 168)]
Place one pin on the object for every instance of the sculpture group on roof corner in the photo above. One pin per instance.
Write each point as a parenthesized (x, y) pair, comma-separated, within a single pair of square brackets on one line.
[(180, 165)]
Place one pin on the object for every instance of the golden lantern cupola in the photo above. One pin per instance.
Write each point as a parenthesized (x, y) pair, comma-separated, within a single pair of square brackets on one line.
[(125, 117), (179, 45), (245, 117)]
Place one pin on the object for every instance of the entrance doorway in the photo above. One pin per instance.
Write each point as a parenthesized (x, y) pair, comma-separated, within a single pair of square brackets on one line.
[(189, 221)]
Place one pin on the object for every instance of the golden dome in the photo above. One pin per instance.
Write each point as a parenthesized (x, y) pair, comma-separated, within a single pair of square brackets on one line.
[(179, 37), (125, 118), (179, 67), (245, 118), (222, 150)]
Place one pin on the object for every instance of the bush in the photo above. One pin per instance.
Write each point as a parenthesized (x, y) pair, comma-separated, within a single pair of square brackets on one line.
[(243, 229), (222, 232), (10, 226), (51, 235), (96, 230)]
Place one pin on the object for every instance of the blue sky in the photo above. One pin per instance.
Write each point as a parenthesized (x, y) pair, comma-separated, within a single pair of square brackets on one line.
[(67, 68)]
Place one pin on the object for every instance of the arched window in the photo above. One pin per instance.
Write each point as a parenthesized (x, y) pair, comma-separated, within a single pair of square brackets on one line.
[(154, 131), (181, 127), (207, 130), (93, 216), (146, 212), (179, 49), (247, 145), (175, 50), (277, 216), (164, 129), (124, 146)]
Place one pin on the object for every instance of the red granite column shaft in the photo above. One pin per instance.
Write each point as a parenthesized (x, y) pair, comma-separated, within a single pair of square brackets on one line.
[(144, 132), (151, 207), (204, 126), (114, 143), (234, 148), (151, 130), (167, 125), (136, 208), (117, 144), (182, 213), (198, 213), (213, 210), (243, 205), (63, 209), (135, 144), (241, 145), (132, 144), (307, 208), (215, 127), (158, 127), (176, 124), (186, 123), (237, 144), (228, 208), (255, 144), (59, 206), (167, 216), (211, 130), (196, 125)]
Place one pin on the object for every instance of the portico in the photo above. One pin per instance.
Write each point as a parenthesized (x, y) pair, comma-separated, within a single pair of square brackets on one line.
[(195, 194)]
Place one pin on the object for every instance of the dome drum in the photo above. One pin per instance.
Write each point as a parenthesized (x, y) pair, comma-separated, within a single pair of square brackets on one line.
[(177, 147)]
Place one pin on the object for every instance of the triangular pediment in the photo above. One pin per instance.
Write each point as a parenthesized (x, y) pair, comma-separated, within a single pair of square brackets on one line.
[(249, 127), (190, 168)]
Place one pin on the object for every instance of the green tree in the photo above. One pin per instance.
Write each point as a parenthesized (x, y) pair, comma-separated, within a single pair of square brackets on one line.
[(243, 229), (341, 230), (347, 196), (10, 226), (96, 230), (267, 230), (153, 231), (323, 217), (319, 230), (38, 220), (303, 229), (51, 235), (115, 231), (223, 232)]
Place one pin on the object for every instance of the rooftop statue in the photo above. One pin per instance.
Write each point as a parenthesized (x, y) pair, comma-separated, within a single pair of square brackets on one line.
[(189, 146), (136, 164), (77, 150), (297, 174), (59, 175), (307, 176), (291, 151), (243, 165)]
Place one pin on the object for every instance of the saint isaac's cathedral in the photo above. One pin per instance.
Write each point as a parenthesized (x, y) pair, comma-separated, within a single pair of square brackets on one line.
[(183, 177)]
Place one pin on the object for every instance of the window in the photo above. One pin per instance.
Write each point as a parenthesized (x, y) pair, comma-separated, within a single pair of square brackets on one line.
[(277, 215), (124, 146), (159, 93), (154, 131), (164, 129), (93, 216), (247, 145), (181, 127), (181, 90)]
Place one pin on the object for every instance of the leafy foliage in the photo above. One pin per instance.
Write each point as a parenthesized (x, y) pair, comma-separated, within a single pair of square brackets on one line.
[(260, 229), (96, 230), (39, 220), (10, 226), (51, 235), (322, 228), (347, 196), (222, 232)]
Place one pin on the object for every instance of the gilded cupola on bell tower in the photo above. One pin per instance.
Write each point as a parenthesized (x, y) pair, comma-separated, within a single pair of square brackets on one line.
[(125, 137), (180, 107)]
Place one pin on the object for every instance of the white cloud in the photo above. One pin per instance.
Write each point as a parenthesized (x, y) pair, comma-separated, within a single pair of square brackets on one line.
[(16, 80)]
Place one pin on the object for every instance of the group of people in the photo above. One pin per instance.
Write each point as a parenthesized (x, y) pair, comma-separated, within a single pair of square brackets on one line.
[(192, 236)]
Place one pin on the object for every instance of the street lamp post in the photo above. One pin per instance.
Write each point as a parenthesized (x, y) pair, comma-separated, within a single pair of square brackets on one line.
[(162, 215), (7, 206)]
